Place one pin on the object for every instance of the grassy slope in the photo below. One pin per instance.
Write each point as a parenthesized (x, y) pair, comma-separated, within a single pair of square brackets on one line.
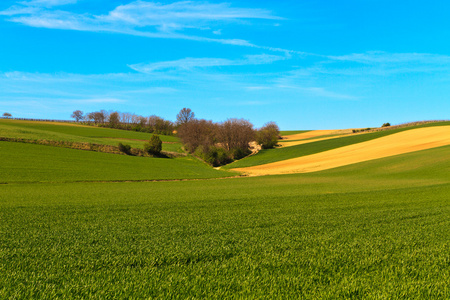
[(30, 163), (377, 229), (79, 133), (279, 154)]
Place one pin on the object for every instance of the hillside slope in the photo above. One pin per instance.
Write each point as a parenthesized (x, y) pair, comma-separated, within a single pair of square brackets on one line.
[(395, 144)]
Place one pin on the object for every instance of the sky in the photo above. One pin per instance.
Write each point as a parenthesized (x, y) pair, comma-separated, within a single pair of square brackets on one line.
[(303, 64)]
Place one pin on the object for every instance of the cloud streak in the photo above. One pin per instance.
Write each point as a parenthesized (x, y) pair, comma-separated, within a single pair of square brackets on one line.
[(194, 63), (381, 57), (188, 20)]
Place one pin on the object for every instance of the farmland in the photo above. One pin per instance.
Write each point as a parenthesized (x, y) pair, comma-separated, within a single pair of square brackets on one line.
[(81, 133), (74, 225), (274, 155)]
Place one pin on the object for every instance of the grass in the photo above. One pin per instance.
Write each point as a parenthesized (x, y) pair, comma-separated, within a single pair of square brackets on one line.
[(39, 163), (81, 133), (73, 225), (279, 154), (374, 230)]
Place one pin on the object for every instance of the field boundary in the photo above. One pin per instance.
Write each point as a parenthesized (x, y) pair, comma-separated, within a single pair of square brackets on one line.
[(90, 147)]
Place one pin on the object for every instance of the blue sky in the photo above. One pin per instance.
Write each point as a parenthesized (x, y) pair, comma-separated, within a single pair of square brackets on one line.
[(304, 64)]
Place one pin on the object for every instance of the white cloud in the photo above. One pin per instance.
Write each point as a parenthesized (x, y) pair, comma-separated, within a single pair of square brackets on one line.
[(191, 63), (380, 57), (96, 101), (179, 20), (178, 15)]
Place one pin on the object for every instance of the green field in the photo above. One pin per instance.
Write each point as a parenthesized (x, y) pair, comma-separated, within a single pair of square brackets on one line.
[(38, 163), (279, 154), (82, 134), (72, 225)]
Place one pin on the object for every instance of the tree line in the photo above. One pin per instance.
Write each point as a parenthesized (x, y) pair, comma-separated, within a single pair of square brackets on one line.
[(217, 143), (221, 143), (126, 121)]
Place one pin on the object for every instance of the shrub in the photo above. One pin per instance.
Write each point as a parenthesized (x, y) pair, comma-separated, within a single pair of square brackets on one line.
[(216, 156), (239, 153), (386, 125), (267, 136), (154, 146), (125, 148)]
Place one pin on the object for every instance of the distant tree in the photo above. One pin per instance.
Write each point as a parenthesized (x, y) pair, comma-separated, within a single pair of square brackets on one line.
[(142, 121), (7, 115), (99, 117), (197, 133), (184, 116), (268, 135), (125, 117), (154, 146), (114, 119), (386, 125), (235, 136), (160, 126), (77, 115)]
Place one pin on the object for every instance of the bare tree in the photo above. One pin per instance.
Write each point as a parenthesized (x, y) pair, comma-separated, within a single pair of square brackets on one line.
[(99, 117), (114, 119), (77, 115), (142, 121), (185, 115), (125, 117), (236, 134), (103, 114), (197, 133), (135, 119)]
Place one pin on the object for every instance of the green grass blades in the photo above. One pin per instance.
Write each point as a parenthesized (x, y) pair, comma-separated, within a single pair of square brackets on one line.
[(38, 163), (268, 237), (279, 154), (373, 230)]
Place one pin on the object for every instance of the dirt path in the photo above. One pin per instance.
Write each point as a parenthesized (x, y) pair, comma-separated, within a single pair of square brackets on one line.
[(309, 134), (284, 143), (395, 144)]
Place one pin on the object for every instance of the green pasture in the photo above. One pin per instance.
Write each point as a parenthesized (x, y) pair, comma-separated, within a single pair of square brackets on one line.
[(374, 230), (82, 134), (279, 154), (38, 163), (86, 225)]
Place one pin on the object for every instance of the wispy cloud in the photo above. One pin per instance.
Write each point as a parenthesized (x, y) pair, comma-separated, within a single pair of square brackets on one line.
[(96, 101), (179, 20), (192, 63), (380, 57), (383, 63)]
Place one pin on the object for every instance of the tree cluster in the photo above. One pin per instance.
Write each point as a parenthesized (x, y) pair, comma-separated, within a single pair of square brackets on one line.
[(268, 135), (221, 143), (126, 121)]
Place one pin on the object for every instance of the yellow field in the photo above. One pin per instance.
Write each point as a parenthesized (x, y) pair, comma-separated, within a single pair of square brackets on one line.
[(395, 144)]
